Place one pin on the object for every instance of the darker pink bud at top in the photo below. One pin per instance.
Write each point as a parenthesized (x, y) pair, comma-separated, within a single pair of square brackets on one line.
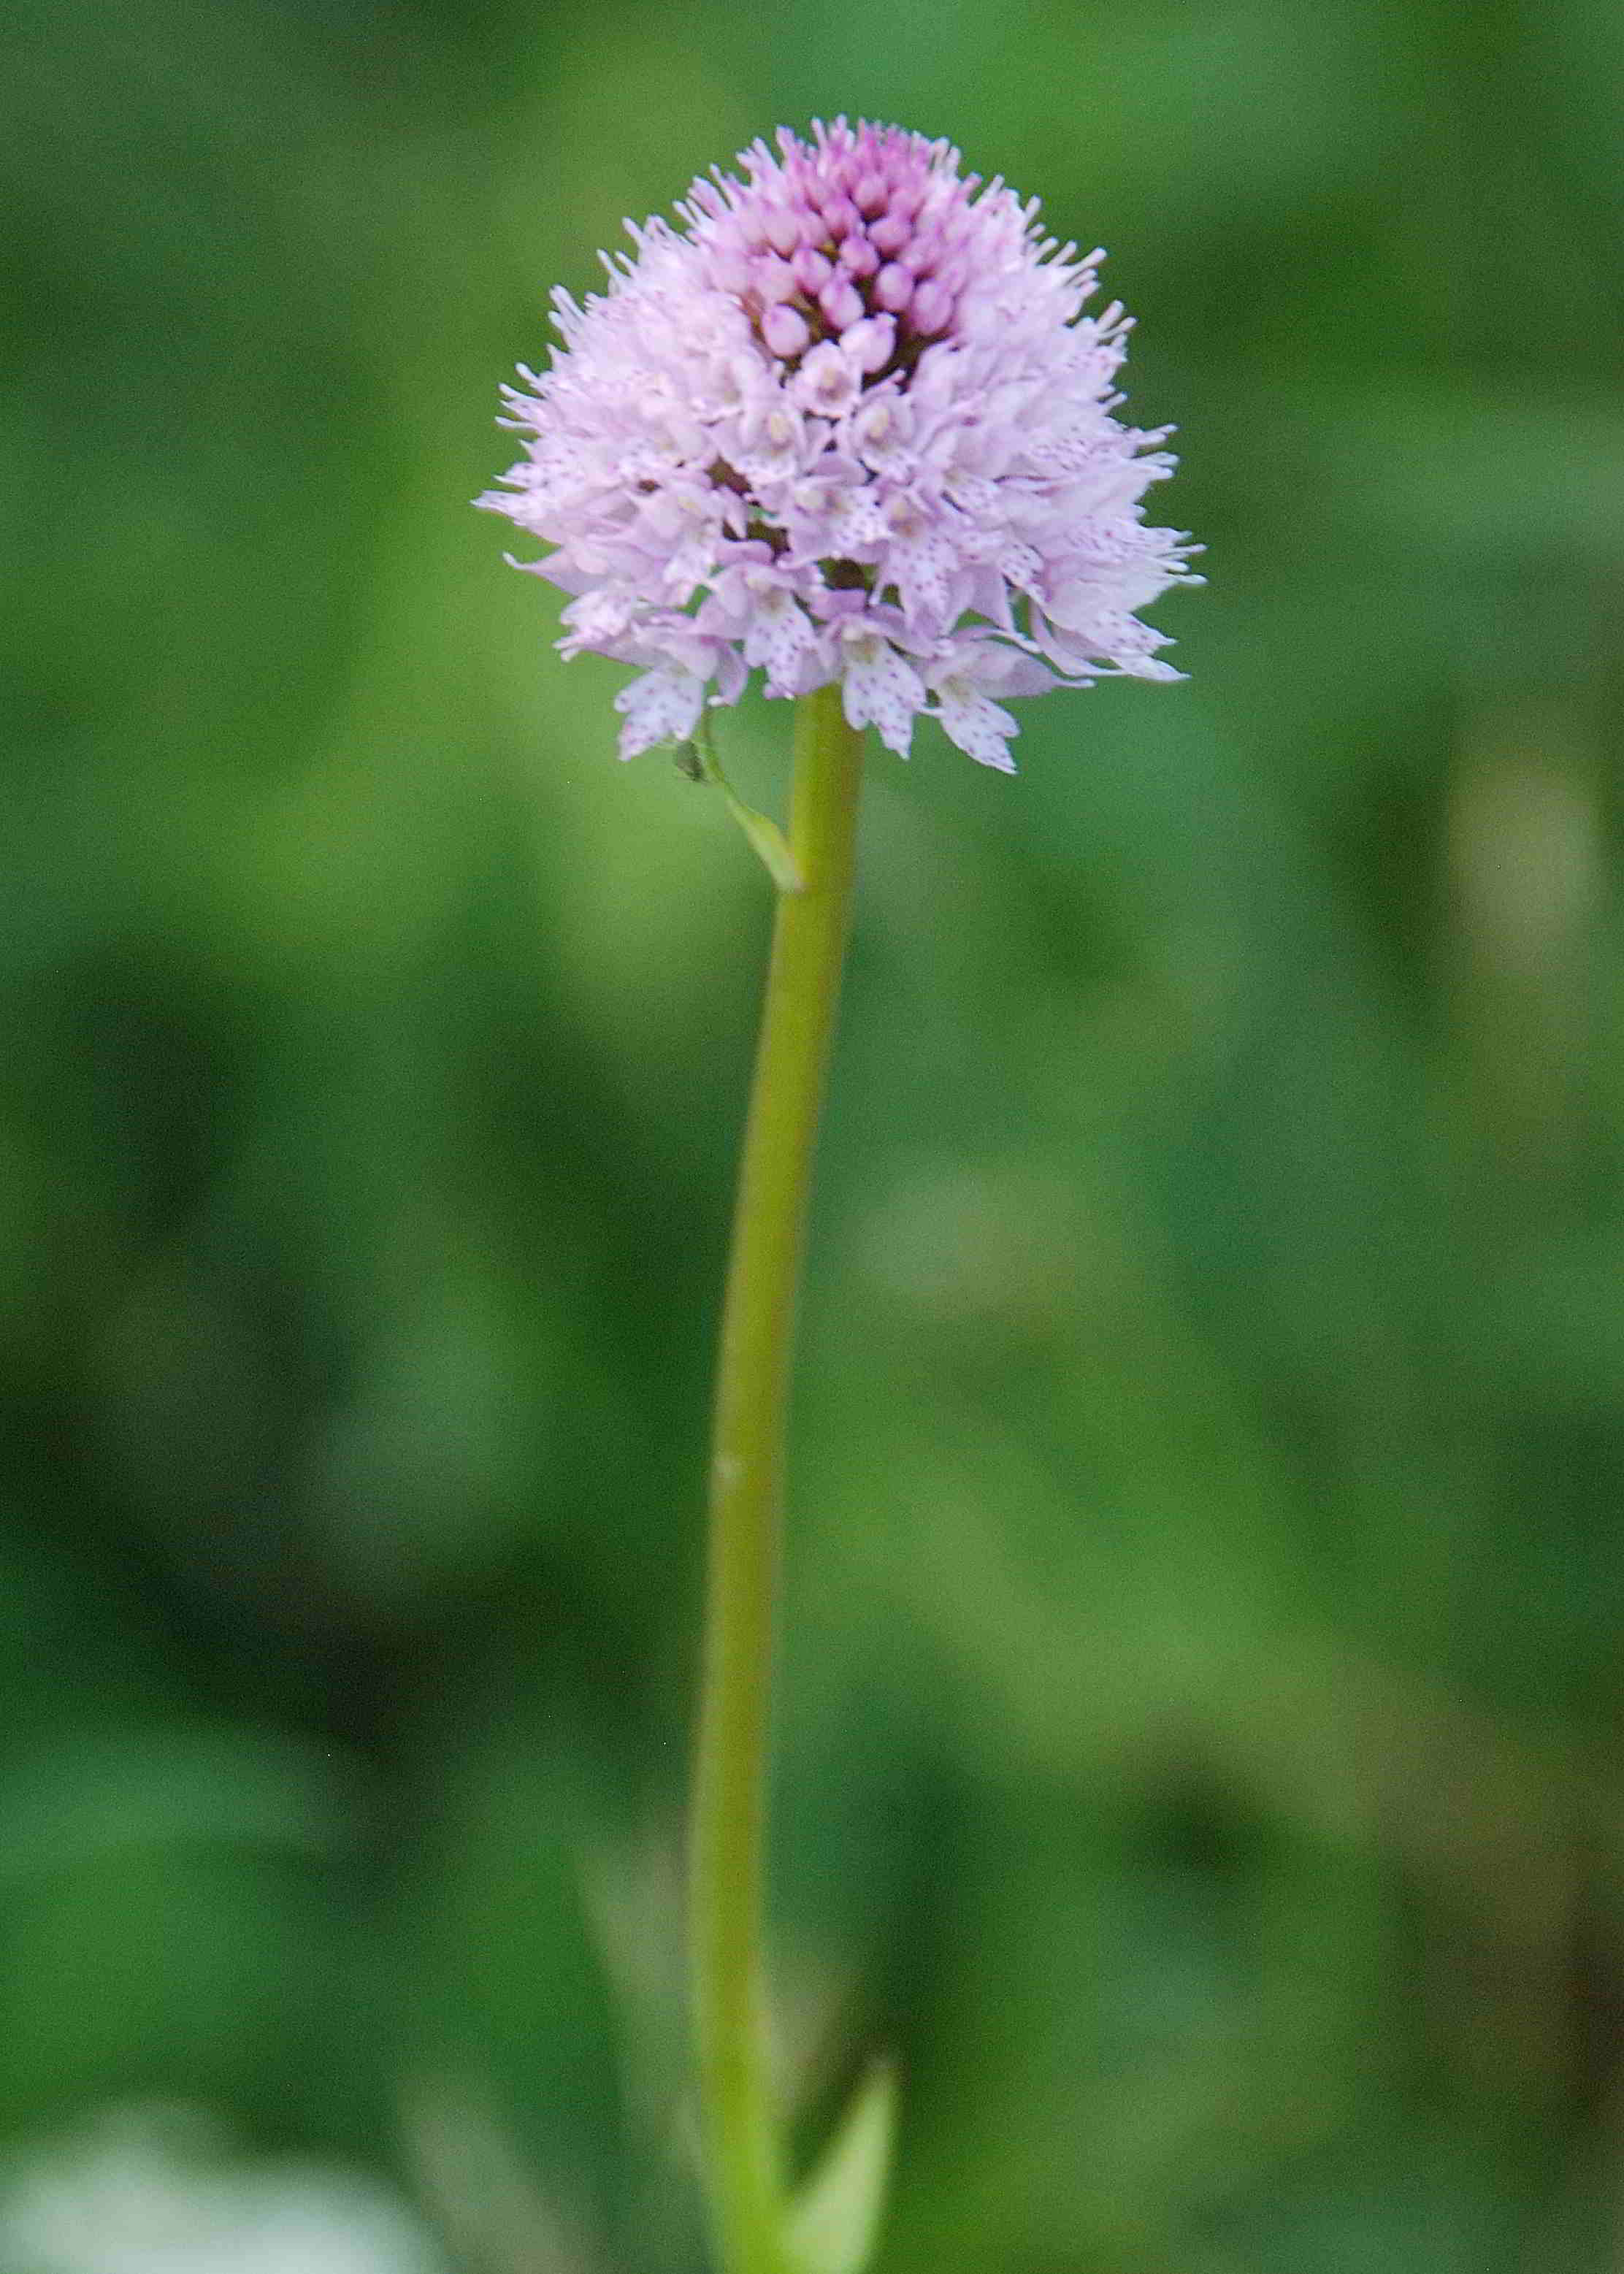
[(785, 331), (841, 303)]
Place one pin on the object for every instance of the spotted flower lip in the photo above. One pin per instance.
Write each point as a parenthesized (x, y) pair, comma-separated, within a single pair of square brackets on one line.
[(848, 422)]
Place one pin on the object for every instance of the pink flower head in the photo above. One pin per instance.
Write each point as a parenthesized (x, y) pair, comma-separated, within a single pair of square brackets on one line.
[(847, 423)]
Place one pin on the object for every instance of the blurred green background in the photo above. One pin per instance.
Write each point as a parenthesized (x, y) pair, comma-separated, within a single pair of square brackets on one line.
[(1200, 1751)]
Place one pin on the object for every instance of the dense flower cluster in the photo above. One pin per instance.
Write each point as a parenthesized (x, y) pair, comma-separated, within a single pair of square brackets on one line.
[(848, 423)]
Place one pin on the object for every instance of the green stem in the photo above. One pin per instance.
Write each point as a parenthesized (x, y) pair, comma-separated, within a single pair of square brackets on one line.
[(742, 2143)]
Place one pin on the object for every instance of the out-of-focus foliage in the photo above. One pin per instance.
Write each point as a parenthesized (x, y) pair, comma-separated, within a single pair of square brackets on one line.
[(1199, 1757)]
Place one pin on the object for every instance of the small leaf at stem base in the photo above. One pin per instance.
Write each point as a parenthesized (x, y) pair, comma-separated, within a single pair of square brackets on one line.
[(697, 759), (834, 2218), (769, 841)]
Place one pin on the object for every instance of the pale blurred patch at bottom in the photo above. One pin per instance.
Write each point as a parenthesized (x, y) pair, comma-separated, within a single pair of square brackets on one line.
[(163, 2190)]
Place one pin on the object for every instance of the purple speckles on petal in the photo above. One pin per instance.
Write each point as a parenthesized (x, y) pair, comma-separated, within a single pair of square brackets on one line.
[(662, 706), (778, 636), (980, 727), (846, 422), (882, 690)]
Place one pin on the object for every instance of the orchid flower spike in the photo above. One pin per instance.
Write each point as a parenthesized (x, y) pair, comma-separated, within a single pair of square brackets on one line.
[(848, 423)]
